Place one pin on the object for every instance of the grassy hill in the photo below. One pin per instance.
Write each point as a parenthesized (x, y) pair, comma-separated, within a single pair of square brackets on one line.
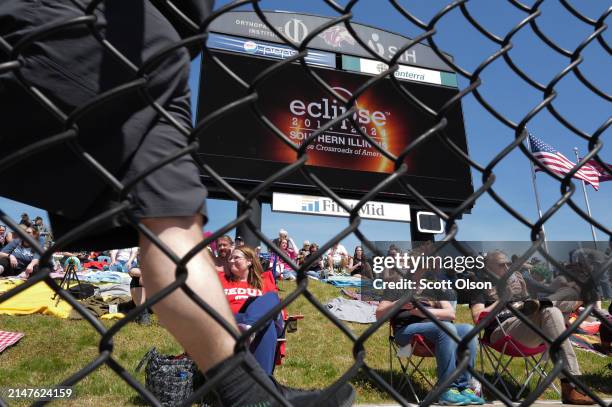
[(317, 354)]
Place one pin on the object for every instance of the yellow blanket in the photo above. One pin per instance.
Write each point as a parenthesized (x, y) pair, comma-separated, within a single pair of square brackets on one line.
[(35, 300)]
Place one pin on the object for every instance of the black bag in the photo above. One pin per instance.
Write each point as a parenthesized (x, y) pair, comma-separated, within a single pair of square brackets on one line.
[(82, 290), (171, 379)]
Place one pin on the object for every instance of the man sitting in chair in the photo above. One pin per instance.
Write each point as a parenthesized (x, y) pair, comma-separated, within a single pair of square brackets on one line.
[(548, 318)]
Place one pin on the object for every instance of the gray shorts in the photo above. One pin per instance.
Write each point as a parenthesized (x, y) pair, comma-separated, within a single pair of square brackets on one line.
[(125, 134)]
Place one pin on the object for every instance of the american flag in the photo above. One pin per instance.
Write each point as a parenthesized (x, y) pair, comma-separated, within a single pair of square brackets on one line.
[(603, 174), (559, 164)]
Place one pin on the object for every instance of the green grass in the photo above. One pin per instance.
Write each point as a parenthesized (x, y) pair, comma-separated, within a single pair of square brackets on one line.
[(317, 354)]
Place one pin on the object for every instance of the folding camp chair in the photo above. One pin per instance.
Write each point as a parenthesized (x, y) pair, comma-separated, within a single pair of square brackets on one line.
[(500, 355), (290, 325), (414, 354)]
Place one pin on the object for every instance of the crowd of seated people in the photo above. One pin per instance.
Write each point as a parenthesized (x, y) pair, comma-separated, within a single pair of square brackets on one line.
[(9, 235), (546, 297), (548, 312), (18, 256), (335, 261), (410, 320), (43, 234)]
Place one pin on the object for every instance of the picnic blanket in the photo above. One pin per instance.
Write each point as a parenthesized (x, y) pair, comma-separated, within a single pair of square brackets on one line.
[(105, 277), (114, 290), (9, 339), (95, 276), (586, 343), (100, 307), (587, 337), (352, 310), (37, 299), (344, 281)]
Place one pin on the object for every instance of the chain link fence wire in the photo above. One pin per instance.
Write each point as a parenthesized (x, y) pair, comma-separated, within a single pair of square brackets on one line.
[(68, 137)]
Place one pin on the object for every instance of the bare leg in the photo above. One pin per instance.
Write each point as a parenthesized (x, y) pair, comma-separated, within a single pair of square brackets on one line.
[(205, 340), (138, 293)]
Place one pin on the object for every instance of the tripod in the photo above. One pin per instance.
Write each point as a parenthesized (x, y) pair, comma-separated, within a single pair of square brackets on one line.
[(70, 275)]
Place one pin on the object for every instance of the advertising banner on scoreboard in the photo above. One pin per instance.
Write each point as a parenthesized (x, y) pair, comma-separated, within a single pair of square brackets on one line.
[(320, 205), (298, 107), (268, 49), (404, 72), (337, 39)]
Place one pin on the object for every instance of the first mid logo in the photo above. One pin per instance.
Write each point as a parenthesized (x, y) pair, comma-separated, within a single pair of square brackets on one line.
[(310, 205)]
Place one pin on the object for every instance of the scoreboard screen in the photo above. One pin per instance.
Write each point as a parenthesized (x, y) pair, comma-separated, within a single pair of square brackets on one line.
[(244, 151)]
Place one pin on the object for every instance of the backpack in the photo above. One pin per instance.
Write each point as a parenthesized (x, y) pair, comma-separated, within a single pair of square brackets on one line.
[(171, 379)]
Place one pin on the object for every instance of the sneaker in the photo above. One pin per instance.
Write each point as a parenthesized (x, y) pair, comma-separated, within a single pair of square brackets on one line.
[(476, 386), (472, 396), (343, 397), (452, 397)]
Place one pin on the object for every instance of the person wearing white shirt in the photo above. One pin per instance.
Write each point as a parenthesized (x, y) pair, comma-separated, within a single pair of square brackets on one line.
[(337, 256), (122, 260)]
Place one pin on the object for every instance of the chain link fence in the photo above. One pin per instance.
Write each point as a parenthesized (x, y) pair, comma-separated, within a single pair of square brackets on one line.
[(67, 135)]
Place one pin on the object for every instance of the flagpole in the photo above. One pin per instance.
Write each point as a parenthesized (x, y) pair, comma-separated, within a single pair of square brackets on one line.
[(537, 195), (586, 200)]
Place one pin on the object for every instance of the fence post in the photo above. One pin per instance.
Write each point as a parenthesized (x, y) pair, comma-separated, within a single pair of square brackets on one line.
[(250, 238)]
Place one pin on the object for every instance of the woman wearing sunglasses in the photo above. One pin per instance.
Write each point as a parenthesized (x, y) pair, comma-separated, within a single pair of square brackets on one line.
[(251, 293)]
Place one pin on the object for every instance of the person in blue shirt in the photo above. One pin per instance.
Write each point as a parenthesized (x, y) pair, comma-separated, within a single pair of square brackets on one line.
[(18, 256)]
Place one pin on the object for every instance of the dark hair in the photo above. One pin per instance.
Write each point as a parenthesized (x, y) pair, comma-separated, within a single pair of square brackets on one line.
[(363, 256)]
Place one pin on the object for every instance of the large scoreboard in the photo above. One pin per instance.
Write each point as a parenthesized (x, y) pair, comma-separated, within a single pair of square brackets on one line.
[(245, 152)]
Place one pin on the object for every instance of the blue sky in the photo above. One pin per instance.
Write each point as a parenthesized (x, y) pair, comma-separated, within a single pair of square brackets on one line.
[(486, 136)]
